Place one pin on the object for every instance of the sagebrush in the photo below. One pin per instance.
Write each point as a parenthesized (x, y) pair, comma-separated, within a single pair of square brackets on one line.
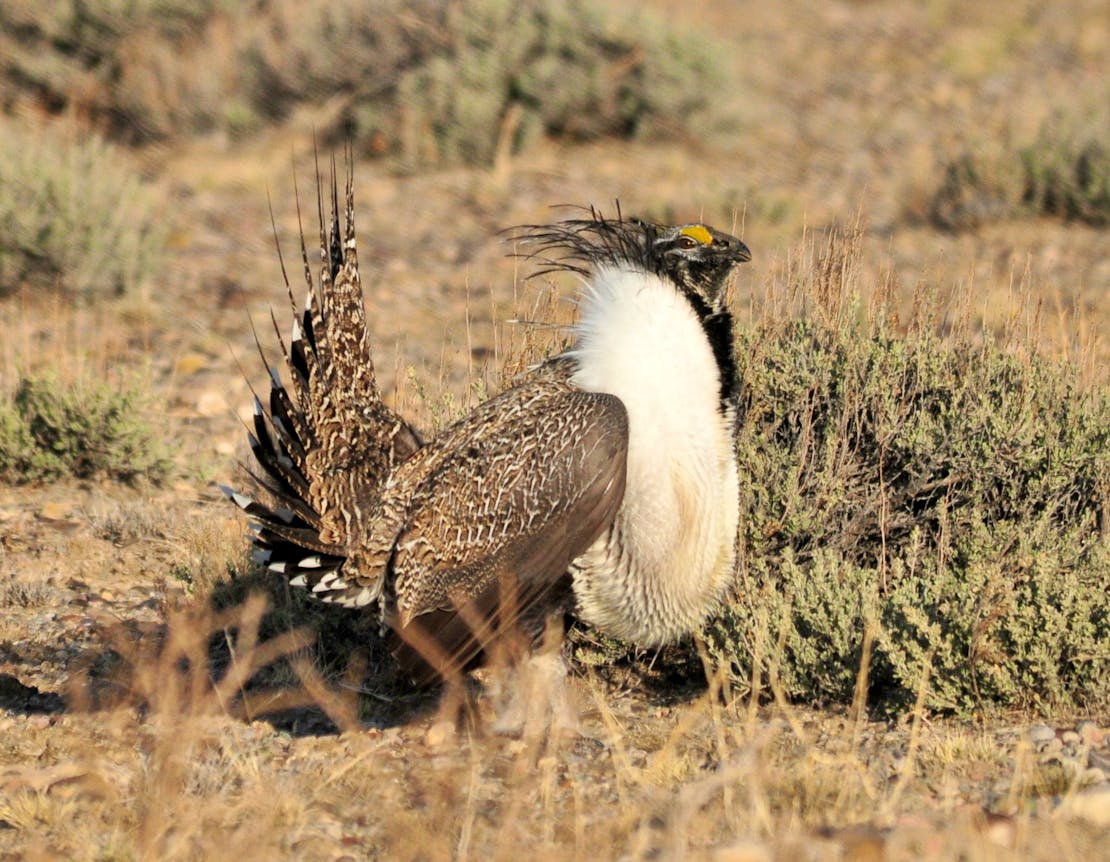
[(514, 70), (914, 506), (75, 215), (1064, 172), (426, 82), (50, 429)]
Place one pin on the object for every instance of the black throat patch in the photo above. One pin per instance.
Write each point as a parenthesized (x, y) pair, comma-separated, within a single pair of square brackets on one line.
[(717, 326)]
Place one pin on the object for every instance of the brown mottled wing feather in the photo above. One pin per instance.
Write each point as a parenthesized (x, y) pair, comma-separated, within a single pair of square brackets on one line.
[(515, 500)]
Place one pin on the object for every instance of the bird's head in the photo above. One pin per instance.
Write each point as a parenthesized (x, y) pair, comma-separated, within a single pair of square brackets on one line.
[(696, 258)]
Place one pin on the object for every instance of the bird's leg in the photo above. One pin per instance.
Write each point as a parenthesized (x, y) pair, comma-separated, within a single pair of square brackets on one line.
[(531, 697)]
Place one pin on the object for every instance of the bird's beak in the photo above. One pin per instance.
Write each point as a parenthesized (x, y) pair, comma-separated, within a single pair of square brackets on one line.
[(740, 252)]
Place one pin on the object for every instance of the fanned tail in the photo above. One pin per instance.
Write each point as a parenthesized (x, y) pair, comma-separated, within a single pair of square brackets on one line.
[(325, 446)]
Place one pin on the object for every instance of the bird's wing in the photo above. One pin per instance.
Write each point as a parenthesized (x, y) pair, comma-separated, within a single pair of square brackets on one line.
[(519, 490)]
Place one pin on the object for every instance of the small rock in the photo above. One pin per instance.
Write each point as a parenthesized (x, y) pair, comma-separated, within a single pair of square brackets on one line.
[(1091, 804), (1051, 748), (212, 404), (439, 733), (859, 843), (1070, 737), (1091, 733), (1039, 733), (743, 851), (190, 363), (56, 510), (1092, 776), (999, 829)]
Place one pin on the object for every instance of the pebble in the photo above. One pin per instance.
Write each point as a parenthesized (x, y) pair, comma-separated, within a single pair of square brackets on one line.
[(190, 363), (56, 510), (439, 733), (998, 829), (1091, 733), (1075, 756), (516, 747), (211, 404), (1053, 746), (743, 851), (1091, 804)]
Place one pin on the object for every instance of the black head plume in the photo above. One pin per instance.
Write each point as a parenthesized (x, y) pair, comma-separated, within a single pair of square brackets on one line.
[(695, 257)]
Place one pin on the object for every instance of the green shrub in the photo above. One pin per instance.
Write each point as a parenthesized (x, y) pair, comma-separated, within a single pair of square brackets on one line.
[(473, 80), (1069, 179), (947, 503), (49, 430), (513, 69), (1064, 172), (74, 215), (427, 81), (128, 66), (975, 190)]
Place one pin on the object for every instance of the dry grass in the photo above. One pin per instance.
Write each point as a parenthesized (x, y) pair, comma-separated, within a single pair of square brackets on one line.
[(173, 773), (171, 765), (849, 115)]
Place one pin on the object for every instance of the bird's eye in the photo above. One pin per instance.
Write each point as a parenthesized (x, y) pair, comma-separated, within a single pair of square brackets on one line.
[(687, 242)]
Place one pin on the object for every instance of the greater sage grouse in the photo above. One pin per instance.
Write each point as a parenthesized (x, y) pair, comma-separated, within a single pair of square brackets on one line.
[(604, 482)]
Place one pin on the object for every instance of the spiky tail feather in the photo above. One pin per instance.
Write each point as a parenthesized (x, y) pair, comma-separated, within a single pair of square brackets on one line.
[(326, 447)]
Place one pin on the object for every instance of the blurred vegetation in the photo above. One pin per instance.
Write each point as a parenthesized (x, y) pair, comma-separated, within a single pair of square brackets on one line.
[(514, 70), (916, 506), (129, 67), (49, 429), (73, 215), (1064, 172), (428, 82)]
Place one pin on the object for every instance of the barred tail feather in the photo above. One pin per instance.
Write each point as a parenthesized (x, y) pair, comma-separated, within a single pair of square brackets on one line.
[(324, 447)]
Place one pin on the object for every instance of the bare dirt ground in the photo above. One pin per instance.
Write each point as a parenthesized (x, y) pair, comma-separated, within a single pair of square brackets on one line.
[(847, 110)]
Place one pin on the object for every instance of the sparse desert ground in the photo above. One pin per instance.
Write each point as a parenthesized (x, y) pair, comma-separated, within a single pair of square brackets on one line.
[(126, 633)]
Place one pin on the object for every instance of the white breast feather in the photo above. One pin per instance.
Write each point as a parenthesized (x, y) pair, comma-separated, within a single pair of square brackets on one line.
[(640, 340)]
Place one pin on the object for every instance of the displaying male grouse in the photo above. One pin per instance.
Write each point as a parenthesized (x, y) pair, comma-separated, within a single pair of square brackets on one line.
[(604, 482)]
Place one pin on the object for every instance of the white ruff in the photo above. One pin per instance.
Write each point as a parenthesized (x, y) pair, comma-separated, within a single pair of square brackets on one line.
[(671, 554)]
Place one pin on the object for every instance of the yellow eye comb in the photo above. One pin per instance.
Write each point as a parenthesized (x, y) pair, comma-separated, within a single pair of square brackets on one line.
[(698, 232)]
